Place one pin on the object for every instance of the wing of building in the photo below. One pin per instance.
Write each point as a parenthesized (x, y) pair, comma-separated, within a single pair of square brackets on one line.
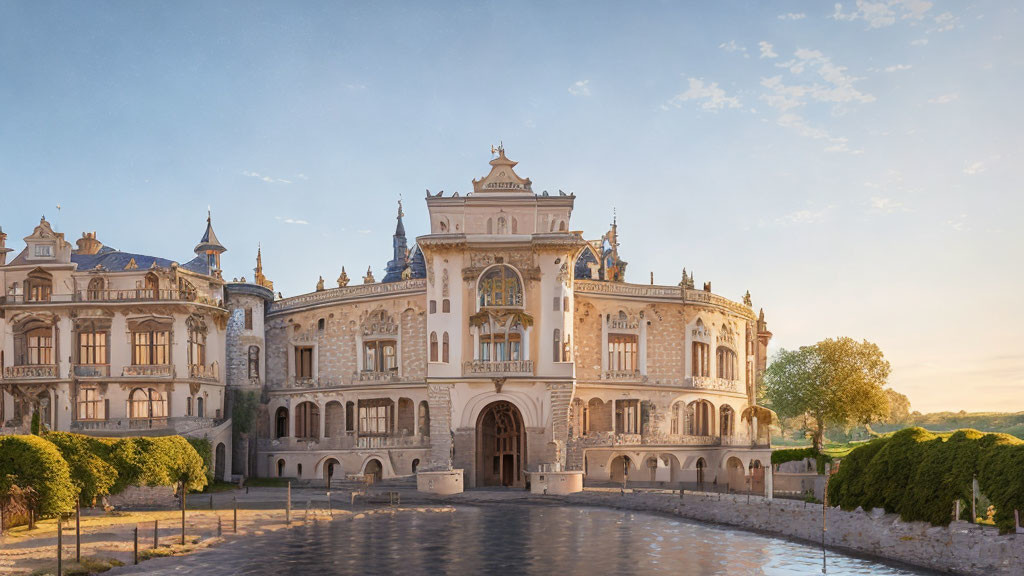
[(501, 349)]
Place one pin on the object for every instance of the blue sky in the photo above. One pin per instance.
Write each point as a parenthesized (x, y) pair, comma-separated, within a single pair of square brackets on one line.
[(854, 165)]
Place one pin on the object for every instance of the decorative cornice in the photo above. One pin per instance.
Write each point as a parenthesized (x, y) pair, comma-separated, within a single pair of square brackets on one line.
[(336, 295)]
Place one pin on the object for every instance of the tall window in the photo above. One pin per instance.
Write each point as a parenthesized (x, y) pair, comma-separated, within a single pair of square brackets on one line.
[(444, 348), (627, 417), (90, 407), (726, 421), (254, 362), (38, 286), (307, 420), (446, 306), (699, 416), (304, 362), (196, 342), (700, 359), (622, 352), (151, 347), (556, 346), (500, 286), (726, 360), (146, 403), (501, 344), (433, 346), (40, 346), (92, 346), (95, 290), (248, 318), (374, 417), (382, 355)]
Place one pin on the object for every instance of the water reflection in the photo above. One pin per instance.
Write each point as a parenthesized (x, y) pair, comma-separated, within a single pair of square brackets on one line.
[(516, 540)]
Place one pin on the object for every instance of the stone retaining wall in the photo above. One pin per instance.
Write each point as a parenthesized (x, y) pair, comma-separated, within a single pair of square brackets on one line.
[(144, 497), (961, 548)]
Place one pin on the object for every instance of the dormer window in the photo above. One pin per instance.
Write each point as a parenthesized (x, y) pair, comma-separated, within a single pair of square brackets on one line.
[(43, 251), (499, 286)]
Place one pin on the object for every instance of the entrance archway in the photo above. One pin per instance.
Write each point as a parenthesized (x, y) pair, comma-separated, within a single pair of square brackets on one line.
[(374, 469), (619, 469), (332, 468), (736, 476), (500, 446)]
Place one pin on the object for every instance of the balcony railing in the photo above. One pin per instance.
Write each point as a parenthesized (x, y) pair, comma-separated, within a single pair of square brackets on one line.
[(149, 370), (621, 375), (501, 368), (31, 371), (92, 370), (717, 384), (392, 441), (130, 295), (375, 376), (204, 372), (607, 438)]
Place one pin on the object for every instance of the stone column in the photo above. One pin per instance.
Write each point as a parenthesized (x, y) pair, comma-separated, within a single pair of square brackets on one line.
[(440, 402), (560, 394)]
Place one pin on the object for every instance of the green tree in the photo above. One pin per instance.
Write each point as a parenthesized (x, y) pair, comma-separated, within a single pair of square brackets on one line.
[(90, 473), (836, 382), (899, 407), (244, 408)]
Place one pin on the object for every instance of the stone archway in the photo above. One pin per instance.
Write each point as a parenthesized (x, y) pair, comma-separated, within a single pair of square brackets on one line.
[(620, 468), (374, 469), (332, 469), (500, 446), (735, 475)]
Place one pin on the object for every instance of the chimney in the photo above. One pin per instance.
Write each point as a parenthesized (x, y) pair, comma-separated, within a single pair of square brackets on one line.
[(88, 244)]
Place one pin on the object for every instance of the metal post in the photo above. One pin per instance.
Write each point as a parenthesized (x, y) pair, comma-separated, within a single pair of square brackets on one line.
[(211, 501), (60, 546), (135, 536), (288, 506), (974, 499), (156, 533), (78, 529), (220, 529), (234, 522), (183, 496)]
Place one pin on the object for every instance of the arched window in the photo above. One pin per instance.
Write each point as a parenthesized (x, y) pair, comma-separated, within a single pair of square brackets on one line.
[(248, 318), (307, 420), (38, 286), (556, 346), (678, 417), (444, 348), (561, 226), (433, 346), (446, 306), (146, 403), (726, 363), (200, 407), (280, 468), (196, 345), (281, 424), (424, 418), (699, 418), (700, 470), (502, 225), (727, 421), (515, 225), (152, 289), (95, 291), (700, 359), (350, 416), (500, 286)]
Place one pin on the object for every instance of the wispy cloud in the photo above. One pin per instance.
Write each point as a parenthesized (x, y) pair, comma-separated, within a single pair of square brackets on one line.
[(898, 67), (710, 96), (886, 205), (800, 126), (766, 50), (366, 231), (958, 223), (792, 16), (580, 88), (265, 178), (733, 46), (944, 98), (290, 220), (919, 42), (883, 13), (804, 216), (975, 168)]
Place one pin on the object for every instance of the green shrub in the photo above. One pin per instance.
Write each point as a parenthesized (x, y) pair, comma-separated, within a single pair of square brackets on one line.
[(158, 461), (798, 454), (919, 475), (90, 473), (30, 461), (205, 451), (34, 427)]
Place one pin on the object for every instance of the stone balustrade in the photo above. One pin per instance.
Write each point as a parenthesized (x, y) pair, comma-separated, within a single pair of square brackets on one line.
[(333, 294), (92, 370), (375, 376), (622, 375), (599, 439), (149, 370), (499, 368), (204, 372), (392, 441), (31, 371), (715, 384)]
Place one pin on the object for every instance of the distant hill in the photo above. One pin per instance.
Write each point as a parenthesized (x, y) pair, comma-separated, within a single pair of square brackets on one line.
[(1006, 422)]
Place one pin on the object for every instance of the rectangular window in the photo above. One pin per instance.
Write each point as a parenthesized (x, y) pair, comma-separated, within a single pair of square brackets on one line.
[(303, 362), (380, 356), (374, 417), (40, 348), (555, 303), (92, 348), (90, 407), (627, 417), (248, 318), (43, 250), (39, 291), (151, 348), (433, 306), (700, 360), (622, 352)]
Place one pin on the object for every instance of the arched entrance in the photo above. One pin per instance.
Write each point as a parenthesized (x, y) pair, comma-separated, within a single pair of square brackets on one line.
[(332, 468), (500, 446), (218, 462), (736, 476), (374, 469), (619, 469)]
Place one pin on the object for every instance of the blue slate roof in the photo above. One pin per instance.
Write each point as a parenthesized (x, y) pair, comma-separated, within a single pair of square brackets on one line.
[(115, 261)]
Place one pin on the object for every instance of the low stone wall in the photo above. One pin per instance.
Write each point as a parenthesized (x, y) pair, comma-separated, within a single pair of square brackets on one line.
[(144, 497), (961, 548)]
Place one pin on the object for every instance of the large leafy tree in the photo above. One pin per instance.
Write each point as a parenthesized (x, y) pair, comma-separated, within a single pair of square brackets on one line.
[(836, 382)]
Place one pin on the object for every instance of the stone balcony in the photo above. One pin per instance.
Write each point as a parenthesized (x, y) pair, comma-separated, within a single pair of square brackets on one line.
[(605, 438), (92, 370), (149, 371), (375, 376), (715, 384), (204, 372), (346, 441), (179, 425), (392, 441), (500, 368), (623, 376), (30, 371)]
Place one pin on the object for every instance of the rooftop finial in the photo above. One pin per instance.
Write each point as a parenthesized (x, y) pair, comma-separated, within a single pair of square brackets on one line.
[(400, 212), (209, 213)]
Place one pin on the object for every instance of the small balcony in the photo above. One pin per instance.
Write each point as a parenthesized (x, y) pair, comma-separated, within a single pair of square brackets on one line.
[(31, 371), (622, 375), (714, 384), (500, 368), (149, 371), (92, 370), (204, 372), (375, 376)]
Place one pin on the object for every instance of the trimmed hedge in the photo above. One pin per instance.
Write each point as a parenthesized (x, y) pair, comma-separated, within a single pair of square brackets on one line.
[(798, 454), (90, 473), (205, 450), (157, 461), (31, 462), (919, 475)]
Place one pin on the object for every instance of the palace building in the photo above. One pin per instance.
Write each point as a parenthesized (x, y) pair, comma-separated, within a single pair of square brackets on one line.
[(502, 348)]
